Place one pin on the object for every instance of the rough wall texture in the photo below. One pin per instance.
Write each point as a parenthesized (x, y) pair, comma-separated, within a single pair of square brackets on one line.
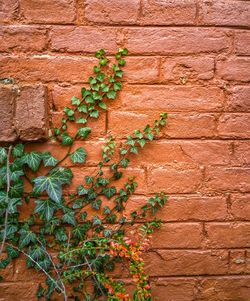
[(189, 58)]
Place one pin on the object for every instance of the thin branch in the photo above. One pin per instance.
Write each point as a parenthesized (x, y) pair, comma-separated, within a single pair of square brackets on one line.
[(7, 198)]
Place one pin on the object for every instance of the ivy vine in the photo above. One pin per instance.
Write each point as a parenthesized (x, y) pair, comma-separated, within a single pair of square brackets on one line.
[(76, 239)]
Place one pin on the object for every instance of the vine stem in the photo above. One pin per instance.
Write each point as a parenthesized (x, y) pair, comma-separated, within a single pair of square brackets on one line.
[(7, 198), (46, 273)]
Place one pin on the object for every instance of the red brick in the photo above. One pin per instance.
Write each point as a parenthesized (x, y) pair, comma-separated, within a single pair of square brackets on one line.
[(200, 152), (8, 10), (190, 125), (31, 120), (178, 235), (185, 208), (142, 70), (223, 12), (186, 262), (228, 235), (173, 289), (241, 153), (22, 38), (7, 103), (175, 179), (112, 11), (172, 98), (83, 39), (176, 40), (46, 11), (240, 206), (227, 179), (234, 125), (242, 43), (47, 68), (238, 100), (247, 261), (225, 288), (237, 261), (187, 69), (62, 94), (157, 12), (234, 69), (16, 291)]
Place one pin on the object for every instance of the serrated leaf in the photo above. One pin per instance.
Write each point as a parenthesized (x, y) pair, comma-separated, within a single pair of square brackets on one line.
[(18, 150), (48, 159), (134, 150), (94, 114), (26, 236), (83, 109), (3, 155), (12, 203), (81, 120), (96, 221), (33, 160), (66, 139), (45, 209), (79, 156), (84, 132), (82, 190), (89, 179), (124, 162), (96, 204), (16, 190), (75, 101), (141, 142), (103, 105), (109, 191), (12, 252), (69, 218), (16, 174), (111, 94), (117, 86)]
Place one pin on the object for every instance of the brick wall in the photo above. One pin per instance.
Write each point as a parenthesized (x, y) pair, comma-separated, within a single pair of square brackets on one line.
[(189, 58)]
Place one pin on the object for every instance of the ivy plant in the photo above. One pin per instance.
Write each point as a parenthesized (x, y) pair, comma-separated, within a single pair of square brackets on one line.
[(76, 237)]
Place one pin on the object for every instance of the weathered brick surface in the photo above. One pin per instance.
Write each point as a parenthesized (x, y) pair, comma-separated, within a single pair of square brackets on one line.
[(189, 58)]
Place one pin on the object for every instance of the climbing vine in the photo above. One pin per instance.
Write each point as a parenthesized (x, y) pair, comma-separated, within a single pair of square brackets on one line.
[(76, 238)]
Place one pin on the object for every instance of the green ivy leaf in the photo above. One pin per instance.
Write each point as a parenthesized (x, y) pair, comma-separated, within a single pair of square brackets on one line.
[(69, 112), (96, 221), (75, 101), (96, 204), (102, 105), (78, 156), (89, 179), (3, 155), (84, 132), (82, 190), (109, 191), (94, 114), (81, 120), (69, 218), (16, 190), (48, 159), (18, 150), (111, 94), (124, 162), (26, 237), (141, 142), (45, 209), (66, 139), (117, 86), (33, 160), (83, 109), (12, 252)]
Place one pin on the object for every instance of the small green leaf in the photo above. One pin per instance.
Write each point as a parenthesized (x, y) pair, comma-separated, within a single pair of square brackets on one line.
[(89, 179), (111, 94), (3, 155), (69, 218), (81, 120), (82, 109), (124, 162), (45, 208), (78, 156), (26, 236), (69, 112), (66, 139), (84, 132), (102, 105), (119, 73), (82, 190), (97, 69), (48, 159), (12, 252), (96, 204), (33, 160), (117, 86), (94, 114), (141, 142), (75, 101), (109, 191), (18, 150), (96, 221)]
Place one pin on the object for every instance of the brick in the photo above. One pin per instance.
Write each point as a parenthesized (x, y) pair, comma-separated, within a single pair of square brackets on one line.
[(8, 10), (157, 12), (172, 98), (176, 40), (15, 291), (247, 262), (186, 262), (22, 38), (47, 68), (187, 69), (223, 12), (238, 99), (200, 152), (178, 235), (185, 208), (234, 69), (83, 39), (175, 179), (225, 288), (242, 43), (234, 125), (173, 289), (227, 179), (241, 153), (7, 102), (234, 235), (240, 206), (191, 125), (112, 11), (237, 261), (31, 113), (46, 11), (142, 70)]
